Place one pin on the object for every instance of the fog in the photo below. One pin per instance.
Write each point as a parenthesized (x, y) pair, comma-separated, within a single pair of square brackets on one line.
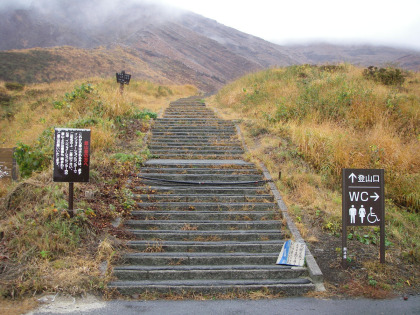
[(90, 13), (374, 22)]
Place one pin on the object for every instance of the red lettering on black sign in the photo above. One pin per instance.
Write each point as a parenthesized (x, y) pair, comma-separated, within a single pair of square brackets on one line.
[(86, 153)]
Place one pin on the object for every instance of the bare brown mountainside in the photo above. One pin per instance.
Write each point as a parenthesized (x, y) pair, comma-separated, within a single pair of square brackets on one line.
[(162, 43), (362, 55)]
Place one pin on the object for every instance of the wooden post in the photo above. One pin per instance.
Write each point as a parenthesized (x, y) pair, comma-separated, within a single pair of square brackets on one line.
[(71, 197)]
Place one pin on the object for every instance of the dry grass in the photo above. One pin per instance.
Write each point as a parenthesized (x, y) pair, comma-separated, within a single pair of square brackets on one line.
[(309, 124), (41, 248), (34, 111)]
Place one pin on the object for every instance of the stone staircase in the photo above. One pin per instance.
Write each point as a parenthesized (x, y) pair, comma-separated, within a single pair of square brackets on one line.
[(205, 220)]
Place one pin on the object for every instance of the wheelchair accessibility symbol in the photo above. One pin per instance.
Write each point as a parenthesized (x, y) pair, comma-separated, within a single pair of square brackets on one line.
[(372, 217)]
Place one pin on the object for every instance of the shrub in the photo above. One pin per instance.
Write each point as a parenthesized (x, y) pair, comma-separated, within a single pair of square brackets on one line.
[(14, 86), (30, 159), (387, 76), (5, 99), (144, 114), (163, 91)]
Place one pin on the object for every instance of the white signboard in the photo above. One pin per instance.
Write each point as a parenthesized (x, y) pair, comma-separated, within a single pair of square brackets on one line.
[(292, 254)]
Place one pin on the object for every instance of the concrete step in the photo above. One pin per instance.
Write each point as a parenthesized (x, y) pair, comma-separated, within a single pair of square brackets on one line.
[(148, 246), (207, 150), (205, 258), (191, 127), (206, 177), (295, 286), (189, 137), (206, 215), (228, 272), (202, 163), (197, 134), (200, 156), (196, 147), (202, 225), (199, 206), (201, 198), (246, 191), (197, 170), (207, 236), (186, 144)]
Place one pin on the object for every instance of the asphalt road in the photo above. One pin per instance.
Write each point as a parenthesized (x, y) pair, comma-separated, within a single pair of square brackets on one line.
[(301, 306)]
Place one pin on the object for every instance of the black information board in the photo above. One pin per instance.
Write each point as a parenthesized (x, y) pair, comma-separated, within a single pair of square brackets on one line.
[(71, 155), (363, 203), (363, 196), (7, 164), (123, 78)]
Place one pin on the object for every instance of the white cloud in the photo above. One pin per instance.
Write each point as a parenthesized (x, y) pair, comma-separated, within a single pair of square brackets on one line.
[(367, 21)]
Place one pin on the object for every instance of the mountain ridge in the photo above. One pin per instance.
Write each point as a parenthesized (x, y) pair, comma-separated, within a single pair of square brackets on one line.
[(181, 46)]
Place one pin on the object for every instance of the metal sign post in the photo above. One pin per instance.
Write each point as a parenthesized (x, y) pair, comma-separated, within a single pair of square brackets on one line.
[(363, 203), (123, 78), (71, 158)]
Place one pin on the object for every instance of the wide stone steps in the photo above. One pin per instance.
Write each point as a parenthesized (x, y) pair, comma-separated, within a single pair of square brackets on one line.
[(191, 156), (202, 151), (227, 178), (205, 198), (203, 221), (148, 246), (200, 258), (240, 190), (199, 206), (200, 225), (294, 286), (180, 170), (210, 235), (208, 272), (209, 215)]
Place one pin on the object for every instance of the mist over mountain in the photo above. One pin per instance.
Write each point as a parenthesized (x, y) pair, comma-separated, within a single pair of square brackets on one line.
[(182, 47)]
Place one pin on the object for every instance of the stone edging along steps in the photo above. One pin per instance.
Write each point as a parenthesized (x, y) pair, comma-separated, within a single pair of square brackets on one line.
[(205, 220)]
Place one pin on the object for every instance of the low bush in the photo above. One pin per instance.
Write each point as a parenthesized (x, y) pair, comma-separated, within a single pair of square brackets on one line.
[(387, 76), (14, 86)]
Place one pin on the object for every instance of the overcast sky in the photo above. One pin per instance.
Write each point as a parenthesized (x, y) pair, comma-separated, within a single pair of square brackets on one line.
[(383, 22), (395, 22)]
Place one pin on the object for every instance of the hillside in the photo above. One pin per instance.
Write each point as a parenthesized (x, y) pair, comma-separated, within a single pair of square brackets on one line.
[(362, 55), (181, 46), (68, 63), (160, 43), (306, 123)]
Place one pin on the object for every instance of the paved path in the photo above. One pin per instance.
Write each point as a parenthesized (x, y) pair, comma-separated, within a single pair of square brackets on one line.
[(294, 306)]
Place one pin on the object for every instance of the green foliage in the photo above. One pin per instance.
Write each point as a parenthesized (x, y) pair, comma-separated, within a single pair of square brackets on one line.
[(124, 157), (163, 91), (144, 114), (30, 159), (84, 122), (14, 86), (372, 282), (387, 76), (79, 92)]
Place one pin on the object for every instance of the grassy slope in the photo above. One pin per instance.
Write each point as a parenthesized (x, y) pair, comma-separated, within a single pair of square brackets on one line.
[(69, 63), (310, 122), (41, 249)]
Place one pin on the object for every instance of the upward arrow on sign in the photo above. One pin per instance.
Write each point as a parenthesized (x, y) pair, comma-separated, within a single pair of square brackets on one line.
[(352, 177)]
